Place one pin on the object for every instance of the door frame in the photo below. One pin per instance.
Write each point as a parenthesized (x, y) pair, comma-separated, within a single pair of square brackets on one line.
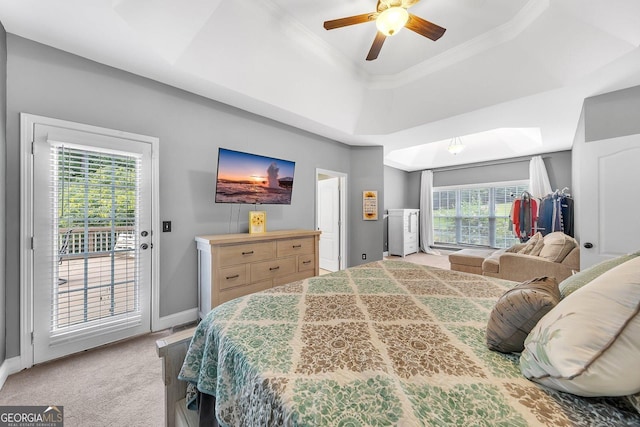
[(342, 179), (27, 124)]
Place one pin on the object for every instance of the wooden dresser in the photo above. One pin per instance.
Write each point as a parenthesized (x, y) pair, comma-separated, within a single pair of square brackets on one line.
[(233, 265)]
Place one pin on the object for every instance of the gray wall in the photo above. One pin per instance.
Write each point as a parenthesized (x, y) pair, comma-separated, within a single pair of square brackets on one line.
[(399, 193), (612, 114), (3, 180), (396, 189), (558, 166), (49, 82), (413, 181), (367, 173), (560, 169)]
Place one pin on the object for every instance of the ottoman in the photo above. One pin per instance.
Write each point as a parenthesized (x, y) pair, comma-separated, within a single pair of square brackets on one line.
[(469, 260)]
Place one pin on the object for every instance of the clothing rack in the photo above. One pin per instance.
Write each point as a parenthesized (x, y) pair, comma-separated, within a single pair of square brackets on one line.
[(556, 213), (563, 192)]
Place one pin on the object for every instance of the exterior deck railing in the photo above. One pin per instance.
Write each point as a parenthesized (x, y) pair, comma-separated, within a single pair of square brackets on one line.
[(90, 241)]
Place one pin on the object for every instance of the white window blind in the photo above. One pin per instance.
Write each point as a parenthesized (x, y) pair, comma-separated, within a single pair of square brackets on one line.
[(95, 267), (476, 215)]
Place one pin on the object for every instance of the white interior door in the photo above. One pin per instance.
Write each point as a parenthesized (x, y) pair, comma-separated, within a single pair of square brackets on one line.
[(329, 223), (609, 203), (91, 240)]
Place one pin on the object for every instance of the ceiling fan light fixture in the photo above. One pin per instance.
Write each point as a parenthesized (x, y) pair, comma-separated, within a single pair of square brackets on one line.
[(391, 20), (455, 146)]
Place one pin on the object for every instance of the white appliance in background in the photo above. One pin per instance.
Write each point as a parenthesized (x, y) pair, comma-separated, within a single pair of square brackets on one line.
[(403, 231)]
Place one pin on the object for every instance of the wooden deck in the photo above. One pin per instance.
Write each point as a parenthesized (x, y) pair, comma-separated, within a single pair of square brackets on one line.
[(109, 289)]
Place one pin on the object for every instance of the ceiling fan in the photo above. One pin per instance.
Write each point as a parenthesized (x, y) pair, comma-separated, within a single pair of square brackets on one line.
[(390, 17)]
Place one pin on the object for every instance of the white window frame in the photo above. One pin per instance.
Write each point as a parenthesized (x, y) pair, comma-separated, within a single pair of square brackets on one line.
[(524, 182)]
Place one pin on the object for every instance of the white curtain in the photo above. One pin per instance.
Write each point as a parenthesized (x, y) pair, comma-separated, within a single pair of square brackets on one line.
[(426, 213), (539, 185)]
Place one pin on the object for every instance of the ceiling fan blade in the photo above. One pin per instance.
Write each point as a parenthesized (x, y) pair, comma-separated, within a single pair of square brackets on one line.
[(351, 20), (376, 46), (424, 27)]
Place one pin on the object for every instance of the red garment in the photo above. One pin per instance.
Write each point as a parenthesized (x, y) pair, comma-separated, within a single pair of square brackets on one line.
[(516, 215)]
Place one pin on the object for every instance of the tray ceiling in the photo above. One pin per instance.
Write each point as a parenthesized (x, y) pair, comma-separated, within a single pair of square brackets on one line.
[(503, 71)]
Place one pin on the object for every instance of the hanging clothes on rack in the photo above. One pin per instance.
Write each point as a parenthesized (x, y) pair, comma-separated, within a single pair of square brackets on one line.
[(556, 213), (545, 220), (566, 206), (524, 214)]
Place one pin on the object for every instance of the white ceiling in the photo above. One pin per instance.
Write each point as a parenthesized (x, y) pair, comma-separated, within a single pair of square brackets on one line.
[(508, 76)]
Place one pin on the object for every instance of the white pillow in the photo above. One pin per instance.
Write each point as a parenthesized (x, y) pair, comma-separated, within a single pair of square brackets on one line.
[(589, 344)]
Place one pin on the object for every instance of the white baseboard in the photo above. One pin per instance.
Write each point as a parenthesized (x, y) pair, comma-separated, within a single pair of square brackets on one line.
[(9, 367), (176, 319)]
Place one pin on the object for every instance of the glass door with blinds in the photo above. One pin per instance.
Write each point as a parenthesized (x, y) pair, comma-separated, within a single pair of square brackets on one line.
[(92, 240)]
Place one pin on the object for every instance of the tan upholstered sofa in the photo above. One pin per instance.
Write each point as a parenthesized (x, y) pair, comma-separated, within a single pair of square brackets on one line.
[(554, 255)]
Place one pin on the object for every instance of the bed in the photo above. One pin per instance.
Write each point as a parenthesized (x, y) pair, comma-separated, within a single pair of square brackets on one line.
[(385, 343)]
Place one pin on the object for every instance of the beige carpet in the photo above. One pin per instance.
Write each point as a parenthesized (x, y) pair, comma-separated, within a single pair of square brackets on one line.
[(440, 261), (115, 385)]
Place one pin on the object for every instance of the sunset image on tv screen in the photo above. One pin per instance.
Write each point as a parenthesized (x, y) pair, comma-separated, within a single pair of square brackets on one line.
[(253, 179)]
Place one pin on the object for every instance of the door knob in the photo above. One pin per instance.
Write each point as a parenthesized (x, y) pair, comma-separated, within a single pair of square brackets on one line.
[(144, 246), (144, 233), (588, 245)]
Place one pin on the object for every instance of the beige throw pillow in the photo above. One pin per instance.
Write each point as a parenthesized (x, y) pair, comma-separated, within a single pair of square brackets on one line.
[(518, 311), (557, 246), (532, 244), (589, 344), (537, 248)]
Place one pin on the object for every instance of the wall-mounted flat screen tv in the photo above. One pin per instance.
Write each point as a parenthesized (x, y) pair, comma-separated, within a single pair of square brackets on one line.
[(253, 179)]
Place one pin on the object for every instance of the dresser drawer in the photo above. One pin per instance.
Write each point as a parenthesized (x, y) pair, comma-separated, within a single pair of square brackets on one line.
[(306, 262), (290, 247), (230, 277), (250, 252), (270, 269)]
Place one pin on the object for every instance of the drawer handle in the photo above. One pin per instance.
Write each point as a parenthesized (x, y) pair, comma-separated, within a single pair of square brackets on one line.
[(274, 268), (306, 262), (297, 246), (235, 276), (247, 253)]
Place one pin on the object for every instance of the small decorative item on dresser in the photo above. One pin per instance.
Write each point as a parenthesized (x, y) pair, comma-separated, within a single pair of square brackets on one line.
[(257, 222)]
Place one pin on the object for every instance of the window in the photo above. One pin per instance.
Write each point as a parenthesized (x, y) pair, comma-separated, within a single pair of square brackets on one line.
[(95, 203), (475, 215)]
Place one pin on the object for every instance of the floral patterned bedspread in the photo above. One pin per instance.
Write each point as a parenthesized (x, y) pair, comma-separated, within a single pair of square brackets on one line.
[(386, 343)]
